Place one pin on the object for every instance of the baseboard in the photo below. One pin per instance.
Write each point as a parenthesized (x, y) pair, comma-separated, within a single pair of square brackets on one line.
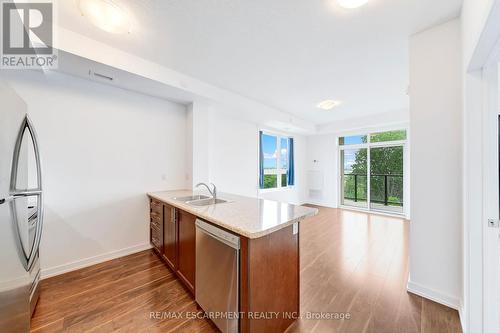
[(433, 295), (320, 203), (461, 315), (72, 266)]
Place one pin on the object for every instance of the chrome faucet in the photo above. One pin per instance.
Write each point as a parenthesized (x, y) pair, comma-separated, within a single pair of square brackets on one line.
[(213, 192)]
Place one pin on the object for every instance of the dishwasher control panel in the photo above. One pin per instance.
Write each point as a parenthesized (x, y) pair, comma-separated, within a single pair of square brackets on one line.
[(228, 238)]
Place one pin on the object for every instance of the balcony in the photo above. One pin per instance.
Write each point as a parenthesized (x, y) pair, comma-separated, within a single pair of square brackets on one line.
[(386, 191)]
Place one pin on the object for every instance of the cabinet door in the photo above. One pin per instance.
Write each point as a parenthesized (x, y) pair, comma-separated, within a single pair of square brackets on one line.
[(186, 248), (170, 236), (156, 225)]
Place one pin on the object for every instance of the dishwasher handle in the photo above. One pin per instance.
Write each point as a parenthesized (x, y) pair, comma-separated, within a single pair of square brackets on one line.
[(219, 234)]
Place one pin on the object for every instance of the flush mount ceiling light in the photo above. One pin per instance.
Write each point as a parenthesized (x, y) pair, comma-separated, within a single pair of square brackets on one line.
[(328, 104), (350, 4), (106, 15)]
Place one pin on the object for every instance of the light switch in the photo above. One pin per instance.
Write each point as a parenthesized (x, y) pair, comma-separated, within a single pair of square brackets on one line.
[(296, 228)]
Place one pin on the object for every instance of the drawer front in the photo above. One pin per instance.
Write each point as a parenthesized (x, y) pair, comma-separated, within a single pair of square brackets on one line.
[(157, 215), (156, 239), (156, 207), (156, 222)]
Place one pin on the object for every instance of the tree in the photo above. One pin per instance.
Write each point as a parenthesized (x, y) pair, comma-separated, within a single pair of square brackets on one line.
[(386, 167)]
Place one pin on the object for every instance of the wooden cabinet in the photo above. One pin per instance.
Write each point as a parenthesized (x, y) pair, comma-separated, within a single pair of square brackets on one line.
[(156, 225), (173, 236), (170, 236), (186, 245), (269, 267)]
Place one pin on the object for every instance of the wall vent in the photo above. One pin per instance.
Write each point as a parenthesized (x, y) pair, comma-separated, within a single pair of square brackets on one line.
[(100, 76)]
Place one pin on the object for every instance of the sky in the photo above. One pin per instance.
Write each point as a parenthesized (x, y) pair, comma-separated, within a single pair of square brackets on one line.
[(349, 154), (355, 140), (270, 147)]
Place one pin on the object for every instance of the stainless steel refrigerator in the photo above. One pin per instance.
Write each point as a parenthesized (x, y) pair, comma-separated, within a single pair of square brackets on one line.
[(21, 213)]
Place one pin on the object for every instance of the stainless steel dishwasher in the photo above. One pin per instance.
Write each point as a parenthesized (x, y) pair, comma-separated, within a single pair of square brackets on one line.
[(217, 275)]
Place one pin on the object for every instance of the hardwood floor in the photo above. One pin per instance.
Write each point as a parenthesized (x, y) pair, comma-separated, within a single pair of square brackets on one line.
[(351, 262), (358, 263), (116, 296)]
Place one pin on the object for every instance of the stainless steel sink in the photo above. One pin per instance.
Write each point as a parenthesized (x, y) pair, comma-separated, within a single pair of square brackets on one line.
[(191, 198), (206, 202)]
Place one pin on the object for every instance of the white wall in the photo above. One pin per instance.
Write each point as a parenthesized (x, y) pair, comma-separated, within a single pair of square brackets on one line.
[(474, 16), (323, 185), (189, 146), (436, 159), (102, 148), (226, 152), (234, 153), (472, 297)]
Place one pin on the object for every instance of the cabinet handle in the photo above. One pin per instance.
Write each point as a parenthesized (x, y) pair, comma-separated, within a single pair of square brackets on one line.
[(173, 215)]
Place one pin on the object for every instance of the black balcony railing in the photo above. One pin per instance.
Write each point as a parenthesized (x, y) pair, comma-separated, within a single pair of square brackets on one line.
[(381, 190)]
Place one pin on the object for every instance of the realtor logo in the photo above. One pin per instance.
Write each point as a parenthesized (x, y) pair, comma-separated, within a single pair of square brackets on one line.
[(28, 35)]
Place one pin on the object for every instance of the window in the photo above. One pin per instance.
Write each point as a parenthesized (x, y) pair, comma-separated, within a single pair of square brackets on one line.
[(352, 140), (354, 177), (372, 171), (388, 136), (276, 161)]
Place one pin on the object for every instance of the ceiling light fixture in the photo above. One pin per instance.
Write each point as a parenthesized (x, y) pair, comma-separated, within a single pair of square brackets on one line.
[(328, 104), (106, 15), (350, 4)]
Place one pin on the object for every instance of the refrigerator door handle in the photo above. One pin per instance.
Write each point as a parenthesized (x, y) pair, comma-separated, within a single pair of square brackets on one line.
[(38, 192), (26, 193), (28, 257), (27, 125), (38, 233)]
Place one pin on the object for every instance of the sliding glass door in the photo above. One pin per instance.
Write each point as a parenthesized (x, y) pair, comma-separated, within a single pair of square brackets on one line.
[(386, 178), (372, 171), (354, 177)]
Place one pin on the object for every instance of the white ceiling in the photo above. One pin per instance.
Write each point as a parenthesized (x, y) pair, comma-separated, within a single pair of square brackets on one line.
[(288, 54)]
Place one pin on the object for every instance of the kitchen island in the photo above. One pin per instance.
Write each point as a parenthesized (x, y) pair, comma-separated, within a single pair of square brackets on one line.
[(268, 270)]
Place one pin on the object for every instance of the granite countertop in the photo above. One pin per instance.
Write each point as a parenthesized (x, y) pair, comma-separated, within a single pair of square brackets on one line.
[(248, 217)]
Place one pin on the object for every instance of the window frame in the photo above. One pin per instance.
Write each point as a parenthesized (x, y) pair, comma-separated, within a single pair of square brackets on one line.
[(368, 145), (278, 136)]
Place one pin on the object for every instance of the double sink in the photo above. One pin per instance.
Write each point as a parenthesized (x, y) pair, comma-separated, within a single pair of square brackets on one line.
[(200, 200)]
